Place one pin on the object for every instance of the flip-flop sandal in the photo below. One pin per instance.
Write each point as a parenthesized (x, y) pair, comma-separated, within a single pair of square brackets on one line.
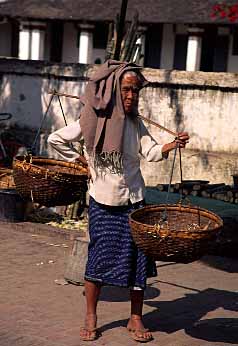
[(134, 333), (95, 334)]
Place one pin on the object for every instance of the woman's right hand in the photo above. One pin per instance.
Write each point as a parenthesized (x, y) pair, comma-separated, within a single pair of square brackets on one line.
[(84, 163), (82, 160)]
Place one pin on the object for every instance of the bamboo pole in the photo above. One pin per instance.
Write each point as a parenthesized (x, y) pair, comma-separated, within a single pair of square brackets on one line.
[(56, 93), (121, 25), (158, 125), (140, 116)]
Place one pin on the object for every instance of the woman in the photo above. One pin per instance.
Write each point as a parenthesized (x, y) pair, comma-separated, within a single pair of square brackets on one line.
[(115, 139)]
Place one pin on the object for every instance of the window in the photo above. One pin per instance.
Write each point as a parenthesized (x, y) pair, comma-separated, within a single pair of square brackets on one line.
[(31, 41)]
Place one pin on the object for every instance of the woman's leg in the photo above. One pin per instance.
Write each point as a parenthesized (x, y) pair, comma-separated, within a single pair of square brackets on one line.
[(92, 292), (135, 323)]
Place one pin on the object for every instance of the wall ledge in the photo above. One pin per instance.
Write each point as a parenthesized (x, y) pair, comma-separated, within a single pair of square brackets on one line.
[(155, 76)]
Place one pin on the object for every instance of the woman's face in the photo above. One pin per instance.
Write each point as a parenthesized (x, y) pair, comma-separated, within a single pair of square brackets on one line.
[(130, 87)]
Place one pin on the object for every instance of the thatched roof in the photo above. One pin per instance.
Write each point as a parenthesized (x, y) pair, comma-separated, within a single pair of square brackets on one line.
[(150, 11)]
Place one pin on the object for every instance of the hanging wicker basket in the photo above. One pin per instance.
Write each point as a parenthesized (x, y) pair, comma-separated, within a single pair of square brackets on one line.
[(186, 235), (6, 179), (49, 182)]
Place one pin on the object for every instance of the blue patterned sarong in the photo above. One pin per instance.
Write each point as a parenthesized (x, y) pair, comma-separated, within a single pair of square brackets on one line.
[(113, 258)]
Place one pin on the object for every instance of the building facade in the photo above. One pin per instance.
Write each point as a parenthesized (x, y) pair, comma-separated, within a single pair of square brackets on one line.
[(171, 37)]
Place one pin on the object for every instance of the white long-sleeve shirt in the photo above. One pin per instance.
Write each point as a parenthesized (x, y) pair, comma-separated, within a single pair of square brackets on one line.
[(107, 187)]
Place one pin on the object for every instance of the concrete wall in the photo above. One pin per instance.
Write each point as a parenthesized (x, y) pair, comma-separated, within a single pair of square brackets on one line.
[(204, 104)]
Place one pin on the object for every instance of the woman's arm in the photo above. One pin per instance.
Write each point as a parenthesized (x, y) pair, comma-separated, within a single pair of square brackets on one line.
[(60, 141), (152, 151), (149, 148), (179, 141)]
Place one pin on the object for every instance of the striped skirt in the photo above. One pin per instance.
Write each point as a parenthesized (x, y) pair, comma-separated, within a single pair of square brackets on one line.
[(113, 258)]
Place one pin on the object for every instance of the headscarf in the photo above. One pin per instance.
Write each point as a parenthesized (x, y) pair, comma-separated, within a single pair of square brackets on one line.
[(102, 116)]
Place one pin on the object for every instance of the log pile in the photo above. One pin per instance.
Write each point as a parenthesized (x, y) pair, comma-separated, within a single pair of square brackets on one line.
[(202, 188)]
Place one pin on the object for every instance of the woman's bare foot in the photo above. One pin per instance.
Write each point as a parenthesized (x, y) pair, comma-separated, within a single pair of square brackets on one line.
[(89, 332), (136, 327)]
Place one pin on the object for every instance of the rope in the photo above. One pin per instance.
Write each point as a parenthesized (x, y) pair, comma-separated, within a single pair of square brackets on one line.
[(62, 110), (182, 197), (181, 176), (33, 147), (164, 214), (180, 165)]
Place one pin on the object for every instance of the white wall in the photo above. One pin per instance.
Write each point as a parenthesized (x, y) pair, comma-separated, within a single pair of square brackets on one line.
[(209, 113), (204, 104)]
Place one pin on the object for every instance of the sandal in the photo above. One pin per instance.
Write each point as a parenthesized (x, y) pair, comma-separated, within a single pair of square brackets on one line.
[(89, 333), (137, 335)]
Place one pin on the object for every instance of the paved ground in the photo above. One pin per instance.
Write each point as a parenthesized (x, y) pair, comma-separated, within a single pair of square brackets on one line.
[(186, 305)]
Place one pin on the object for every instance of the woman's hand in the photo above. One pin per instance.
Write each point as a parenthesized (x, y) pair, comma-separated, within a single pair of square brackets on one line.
[(180, 141), (82, 160), (84, 163)]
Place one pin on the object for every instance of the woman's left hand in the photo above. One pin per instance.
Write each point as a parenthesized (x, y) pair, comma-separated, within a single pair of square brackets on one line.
[(182, 139)]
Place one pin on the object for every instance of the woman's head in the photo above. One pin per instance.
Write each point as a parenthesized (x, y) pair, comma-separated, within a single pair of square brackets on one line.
[(131, 83)]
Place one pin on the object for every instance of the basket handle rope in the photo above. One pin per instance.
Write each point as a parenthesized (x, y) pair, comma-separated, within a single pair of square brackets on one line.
[(182, 198), (53, 94), (164, 214), (32, 149), (62, 111)]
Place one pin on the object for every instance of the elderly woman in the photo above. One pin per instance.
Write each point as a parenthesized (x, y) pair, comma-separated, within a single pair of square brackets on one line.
[(114, 140)]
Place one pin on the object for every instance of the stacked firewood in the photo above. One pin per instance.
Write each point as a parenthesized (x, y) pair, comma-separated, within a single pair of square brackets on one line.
[(201, 188)]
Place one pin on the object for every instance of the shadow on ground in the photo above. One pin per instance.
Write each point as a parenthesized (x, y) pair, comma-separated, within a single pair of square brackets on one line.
[(216, 330), (118, 294), (186, 313), (226, 264)]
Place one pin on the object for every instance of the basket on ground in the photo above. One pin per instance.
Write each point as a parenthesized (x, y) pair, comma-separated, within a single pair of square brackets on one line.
[(49, 182), (187, 234)]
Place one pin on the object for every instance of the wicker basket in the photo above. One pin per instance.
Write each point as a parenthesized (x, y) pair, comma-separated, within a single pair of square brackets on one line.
[(188, 234), (6, 178), (49, 182)]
